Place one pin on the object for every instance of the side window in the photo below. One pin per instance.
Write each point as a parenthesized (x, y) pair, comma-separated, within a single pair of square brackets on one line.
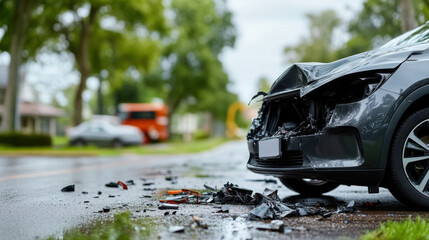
[(150, 115)]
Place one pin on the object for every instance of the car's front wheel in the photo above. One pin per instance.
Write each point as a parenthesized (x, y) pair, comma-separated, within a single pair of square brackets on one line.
[(408, 168), (312, 187)]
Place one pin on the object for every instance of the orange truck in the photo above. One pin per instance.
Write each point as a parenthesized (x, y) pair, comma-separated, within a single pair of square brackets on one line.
[(150, 118)]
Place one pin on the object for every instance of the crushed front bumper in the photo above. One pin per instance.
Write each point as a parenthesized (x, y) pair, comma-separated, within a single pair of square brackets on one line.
[(335, 154)]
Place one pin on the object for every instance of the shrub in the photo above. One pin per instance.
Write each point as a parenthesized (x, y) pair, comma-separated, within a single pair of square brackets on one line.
[(25, 140), (201, 135)]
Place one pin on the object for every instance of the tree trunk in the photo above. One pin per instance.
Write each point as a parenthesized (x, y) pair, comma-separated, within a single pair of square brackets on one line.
[(82, 59), (11, 114), (408, 16), (100, 98)]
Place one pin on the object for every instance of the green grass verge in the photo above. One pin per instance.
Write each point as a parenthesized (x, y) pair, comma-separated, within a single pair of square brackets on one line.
[(120, 227), (407, 229), (159, 148)]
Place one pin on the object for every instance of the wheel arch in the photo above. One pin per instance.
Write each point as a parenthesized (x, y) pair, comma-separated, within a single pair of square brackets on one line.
[(415, 101)]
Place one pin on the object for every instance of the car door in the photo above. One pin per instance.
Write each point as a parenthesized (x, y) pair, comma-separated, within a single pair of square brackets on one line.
[(98, 134)]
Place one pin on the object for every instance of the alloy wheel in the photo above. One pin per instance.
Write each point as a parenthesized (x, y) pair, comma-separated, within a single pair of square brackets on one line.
[(415, 157)]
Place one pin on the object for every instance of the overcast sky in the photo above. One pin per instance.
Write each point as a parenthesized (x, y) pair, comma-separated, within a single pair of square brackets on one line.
[(265, 27)]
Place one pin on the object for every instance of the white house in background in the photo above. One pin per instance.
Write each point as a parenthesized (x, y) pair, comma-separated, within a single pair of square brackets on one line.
[(35, 117)]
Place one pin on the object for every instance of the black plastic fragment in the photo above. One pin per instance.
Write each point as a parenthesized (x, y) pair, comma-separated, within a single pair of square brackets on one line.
[(69, 188), (168, 206), (112, 185)]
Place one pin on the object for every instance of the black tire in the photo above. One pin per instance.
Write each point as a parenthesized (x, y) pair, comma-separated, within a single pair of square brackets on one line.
[(116, 143), (310, 187), (404, 177), (79, 142)]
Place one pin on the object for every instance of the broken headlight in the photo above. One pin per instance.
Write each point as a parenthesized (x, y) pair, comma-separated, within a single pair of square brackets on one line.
[(353, 88)]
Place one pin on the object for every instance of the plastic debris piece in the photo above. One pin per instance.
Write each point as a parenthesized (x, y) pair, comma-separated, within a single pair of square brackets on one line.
[(175, 200), (84, 192), (176, 229), (168, 206), (224, 209), (111, 196), (347, 209), (166, 213), (85, 201), (130, 182), (148, 184), (69, 188), (123, 185), (95, 197), (106, 210), (149, 189), (209, 188), (99, 193), (112, 185)]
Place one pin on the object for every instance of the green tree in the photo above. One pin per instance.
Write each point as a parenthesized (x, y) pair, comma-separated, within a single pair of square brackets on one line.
[(78, 23), (381, 20), (15, 17), (263, 85), (318, 46), (192, 75)]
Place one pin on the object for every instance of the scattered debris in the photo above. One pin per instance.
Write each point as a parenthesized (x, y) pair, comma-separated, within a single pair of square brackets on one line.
[(112, 185), (176, 229), (69, 188), (123, 185), (168, 206)]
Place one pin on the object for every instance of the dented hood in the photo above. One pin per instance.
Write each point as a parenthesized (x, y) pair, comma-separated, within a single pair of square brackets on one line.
[(307, 77)]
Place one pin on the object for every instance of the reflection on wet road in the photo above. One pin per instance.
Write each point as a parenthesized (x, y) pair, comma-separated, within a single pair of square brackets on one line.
[(31, 204)]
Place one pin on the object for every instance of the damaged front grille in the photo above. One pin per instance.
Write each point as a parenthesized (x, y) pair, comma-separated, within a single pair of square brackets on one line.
[(289, 158)]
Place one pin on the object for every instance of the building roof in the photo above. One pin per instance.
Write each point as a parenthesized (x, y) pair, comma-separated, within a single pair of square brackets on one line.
[(37, 109)]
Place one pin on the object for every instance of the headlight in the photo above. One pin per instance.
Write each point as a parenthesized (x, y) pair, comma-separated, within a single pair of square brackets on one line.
[(352, 88)]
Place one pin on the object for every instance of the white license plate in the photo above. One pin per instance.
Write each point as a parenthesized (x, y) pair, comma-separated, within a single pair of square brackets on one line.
[(269, 148)]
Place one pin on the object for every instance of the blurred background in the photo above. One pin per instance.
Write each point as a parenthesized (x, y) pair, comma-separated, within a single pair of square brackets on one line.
[(75, 72)]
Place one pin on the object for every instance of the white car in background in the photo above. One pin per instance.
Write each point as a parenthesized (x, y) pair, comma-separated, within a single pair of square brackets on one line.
[(105, 133)]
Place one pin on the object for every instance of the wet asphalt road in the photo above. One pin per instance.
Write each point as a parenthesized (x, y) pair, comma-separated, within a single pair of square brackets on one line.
[(32, 205)]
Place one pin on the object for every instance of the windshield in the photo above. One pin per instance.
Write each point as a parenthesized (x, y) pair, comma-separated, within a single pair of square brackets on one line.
[(418, 35)]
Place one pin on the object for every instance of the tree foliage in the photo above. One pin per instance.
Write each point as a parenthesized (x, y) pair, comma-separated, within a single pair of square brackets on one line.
[(192, 76), (318, 46)]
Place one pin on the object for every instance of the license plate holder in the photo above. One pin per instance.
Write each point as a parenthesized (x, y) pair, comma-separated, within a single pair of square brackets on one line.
[(269, 148)]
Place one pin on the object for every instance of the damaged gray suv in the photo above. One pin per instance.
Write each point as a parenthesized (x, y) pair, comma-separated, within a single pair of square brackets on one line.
[(362, 120)]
